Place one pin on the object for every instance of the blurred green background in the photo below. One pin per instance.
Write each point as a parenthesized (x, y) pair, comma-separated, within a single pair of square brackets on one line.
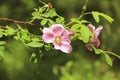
[(81, 64)]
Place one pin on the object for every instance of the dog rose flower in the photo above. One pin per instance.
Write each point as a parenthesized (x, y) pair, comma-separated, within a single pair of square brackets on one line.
[(96, 32), (59, 37)]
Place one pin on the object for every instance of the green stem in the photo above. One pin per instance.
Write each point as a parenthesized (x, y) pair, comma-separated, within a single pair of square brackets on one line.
[(84, 8), (112, 54), (82, 13), (42, 2)]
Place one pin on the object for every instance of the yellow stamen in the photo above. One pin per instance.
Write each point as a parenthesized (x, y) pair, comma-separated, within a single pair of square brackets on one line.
[(57, 40)]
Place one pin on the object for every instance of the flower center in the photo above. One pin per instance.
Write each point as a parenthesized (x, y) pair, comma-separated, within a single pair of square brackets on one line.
[(58, 40)]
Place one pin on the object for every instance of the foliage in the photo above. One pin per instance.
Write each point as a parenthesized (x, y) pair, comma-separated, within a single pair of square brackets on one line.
[(37, 47), (47, 16), (73, 70)]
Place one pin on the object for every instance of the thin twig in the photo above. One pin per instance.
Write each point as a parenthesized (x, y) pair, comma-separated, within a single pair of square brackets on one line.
[(3, 27), (19, 22), (71, 22)]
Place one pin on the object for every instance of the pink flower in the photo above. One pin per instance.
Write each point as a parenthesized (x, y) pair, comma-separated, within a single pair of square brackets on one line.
[(96, 32), (59, 37)]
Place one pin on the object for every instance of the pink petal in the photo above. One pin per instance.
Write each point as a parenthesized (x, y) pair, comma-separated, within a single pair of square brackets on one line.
[(97, 31), (57, 29), (91, 27), (65, 38), (67, 48), (89, 47), (70, 32), (56, 46), (48, 35), (96, 42)]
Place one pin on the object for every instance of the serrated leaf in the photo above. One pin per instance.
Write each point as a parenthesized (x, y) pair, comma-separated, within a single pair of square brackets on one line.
[(86, 34), (108, 18), (35, 44), (96, 16)]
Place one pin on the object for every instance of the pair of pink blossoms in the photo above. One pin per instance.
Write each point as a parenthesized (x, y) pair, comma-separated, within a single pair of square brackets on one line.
[(60, 37)]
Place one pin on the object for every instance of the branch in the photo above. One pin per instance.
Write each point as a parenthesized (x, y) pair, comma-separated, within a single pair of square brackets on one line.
[(3, 27), (19, 22)]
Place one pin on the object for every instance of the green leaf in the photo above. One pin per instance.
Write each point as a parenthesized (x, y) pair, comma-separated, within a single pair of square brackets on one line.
[(108, 59), (76, 20), (84, 21), (86, 34), (44, 21), (108, 18), (35, 44), (2, 54), (96, 16), (33, 55), (48, 46), (1, 32), (9, 31), (75, 27), (36, 15), (25, 35), (35, 39), (98, 51), (60, 20), (50, 22), (33, 58), (52, 13)]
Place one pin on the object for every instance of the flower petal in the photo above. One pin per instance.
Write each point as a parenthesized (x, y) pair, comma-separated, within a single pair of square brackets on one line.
[(96, 42), (65, 38), (48, 35), (67, 48), (56, 46), (91, 27), (89, 47), (97, 31), (70, 32), (57, 29)]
